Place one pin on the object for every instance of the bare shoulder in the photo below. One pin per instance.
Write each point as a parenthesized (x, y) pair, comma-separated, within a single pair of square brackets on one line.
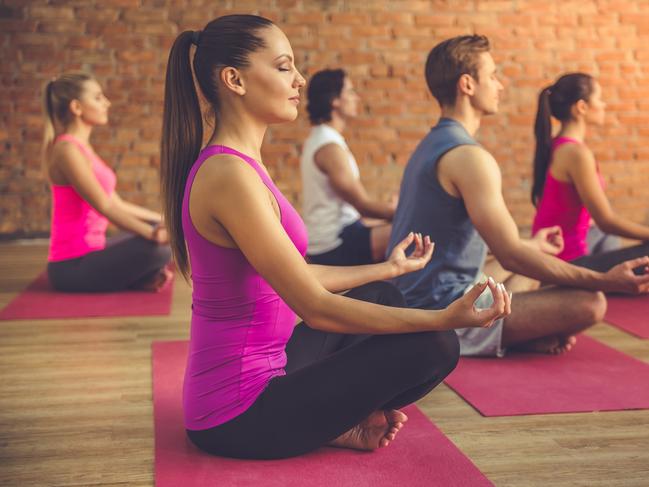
[(65, 151), (469, 161), (226, 172), (572, 159), (330, 155)]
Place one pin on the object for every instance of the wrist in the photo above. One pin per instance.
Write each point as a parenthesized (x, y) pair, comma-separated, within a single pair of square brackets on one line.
[(392, 270)]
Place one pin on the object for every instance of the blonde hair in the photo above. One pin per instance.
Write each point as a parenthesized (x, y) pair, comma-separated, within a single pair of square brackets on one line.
[(57, 95)]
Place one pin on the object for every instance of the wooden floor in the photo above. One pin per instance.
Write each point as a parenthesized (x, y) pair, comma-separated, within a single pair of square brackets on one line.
[(75, 406)]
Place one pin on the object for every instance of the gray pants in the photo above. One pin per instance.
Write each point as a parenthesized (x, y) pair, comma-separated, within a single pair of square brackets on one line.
[(126, 262)]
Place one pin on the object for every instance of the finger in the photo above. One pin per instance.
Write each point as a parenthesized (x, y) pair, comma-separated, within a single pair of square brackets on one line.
[(475, 292), (429, 247), (419, 245), (499, 300), (506, 305), (405, 243), (637, 262), (641, 280), (509, 297)]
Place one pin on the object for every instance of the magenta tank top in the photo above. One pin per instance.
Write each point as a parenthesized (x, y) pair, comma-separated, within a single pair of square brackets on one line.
[(561, 205), (240, 325), (76, 227)]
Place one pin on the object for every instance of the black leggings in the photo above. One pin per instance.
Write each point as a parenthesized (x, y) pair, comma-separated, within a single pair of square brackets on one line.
[(332, 383), (128, 261), (603, 262)]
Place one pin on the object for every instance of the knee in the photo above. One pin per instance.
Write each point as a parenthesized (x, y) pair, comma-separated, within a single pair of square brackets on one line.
[(598, 306), (594, 307), (379, 292), (390, 295), (162, 254), (437, 351)]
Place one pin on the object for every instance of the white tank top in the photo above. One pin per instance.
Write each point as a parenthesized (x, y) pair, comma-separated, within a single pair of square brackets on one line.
[(324, 212)]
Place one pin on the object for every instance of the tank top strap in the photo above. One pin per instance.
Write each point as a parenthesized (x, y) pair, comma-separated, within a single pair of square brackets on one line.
[(85, 150), (559, 141), (213, 150)]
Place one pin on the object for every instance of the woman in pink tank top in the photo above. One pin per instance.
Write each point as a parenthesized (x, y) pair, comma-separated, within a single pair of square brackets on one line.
[(568, 189), (84, 201), (256, 385)]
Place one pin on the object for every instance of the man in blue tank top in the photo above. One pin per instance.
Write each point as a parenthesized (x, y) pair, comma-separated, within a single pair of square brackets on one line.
[(451, 190)]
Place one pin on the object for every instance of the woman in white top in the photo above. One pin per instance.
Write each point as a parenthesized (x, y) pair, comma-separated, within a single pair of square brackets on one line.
[(334, 199)]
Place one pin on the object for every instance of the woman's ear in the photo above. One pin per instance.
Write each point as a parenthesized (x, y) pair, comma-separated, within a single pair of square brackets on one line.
[(75, 108), (580, 108), (232, 79)]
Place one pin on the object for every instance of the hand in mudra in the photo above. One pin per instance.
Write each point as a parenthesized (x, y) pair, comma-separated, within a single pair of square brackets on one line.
[(466, 314), (160, 235), (550, 240), (417, 259)]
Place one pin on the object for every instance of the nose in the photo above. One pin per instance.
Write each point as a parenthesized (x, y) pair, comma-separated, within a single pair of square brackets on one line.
[(299, 80)]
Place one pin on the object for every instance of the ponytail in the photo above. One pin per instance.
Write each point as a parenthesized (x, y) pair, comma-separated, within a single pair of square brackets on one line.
[(182, 136), (57, 95), (543, 150), (48, 122), (225, 41), (555, 101)]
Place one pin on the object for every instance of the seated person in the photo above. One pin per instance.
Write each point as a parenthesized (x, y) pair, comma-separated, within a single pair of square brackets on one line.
[(84, 201), (256, 385), (451, 190), (568, 189), (334, 198)]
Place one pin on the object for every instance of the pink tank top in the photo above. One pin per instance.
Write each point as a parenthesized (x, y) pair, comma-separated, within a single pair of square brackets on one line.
[(561, 205), (240, 325), (76, 227)]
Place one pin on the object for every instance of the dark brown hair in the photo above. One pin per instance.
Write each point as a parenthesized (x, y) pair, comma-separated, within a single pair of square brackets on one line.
[(225, 41), (556, 101), (325, 86), (449, 60)]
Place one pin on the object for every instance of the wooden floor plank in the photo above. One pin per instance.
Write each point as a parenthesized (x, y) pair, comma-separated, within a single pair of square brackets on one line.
[(75, 407)]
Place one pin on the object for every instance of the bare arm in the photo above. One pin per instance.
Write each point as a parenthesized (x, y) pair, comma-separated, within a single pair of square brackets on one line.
[(331, 159), (336, 278), (243, 210), (476, 175), (583, 173), (139, 212), (78, 173)]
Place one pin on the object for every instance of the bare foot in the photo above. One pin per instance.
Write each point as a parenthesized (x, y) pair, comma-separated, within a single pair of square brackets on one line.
[(158, 282), (377, 431), (554, 345)]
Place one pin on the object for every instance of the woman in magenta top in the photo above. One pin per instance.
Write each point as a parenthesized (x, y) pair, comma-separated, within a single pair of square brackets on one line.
[(84, 201), (568, 189), (256, 385)]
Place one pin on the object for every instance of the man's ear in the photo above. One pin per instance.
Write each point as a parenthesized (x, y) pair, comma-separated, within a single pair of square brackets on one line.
[(232, 79), (75, 108), (466, 85), (335, 103)]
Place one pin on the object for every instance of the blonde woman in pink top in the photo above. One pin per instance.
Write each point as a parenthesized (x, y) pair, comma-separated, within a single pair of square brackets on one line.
[(568, 189), (84, 201)]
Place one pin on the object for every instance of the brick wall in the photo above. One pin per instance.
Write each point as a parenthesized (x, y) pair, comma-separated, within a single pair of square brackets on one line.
[(382, 44)]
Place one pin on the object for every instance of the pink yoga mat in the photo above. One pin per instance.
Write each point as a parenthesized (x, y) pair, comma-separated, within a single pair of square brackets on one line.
[(630, 313), (420, 456), (591, 377), (40, 301)]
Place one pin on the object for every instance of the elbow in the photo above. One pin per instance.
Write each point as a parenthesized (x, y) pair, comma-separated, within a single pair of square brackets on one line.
[(313, 310), (605, 224)]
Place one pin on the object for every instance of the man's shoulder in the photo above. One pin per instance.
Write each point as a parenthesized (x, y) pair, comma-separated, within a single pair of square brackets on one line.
[(468, 156)]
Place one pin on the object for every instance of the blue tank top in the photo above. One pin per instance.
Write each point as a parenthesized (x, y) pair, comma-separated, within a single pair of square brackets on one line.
[(425, 207)]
